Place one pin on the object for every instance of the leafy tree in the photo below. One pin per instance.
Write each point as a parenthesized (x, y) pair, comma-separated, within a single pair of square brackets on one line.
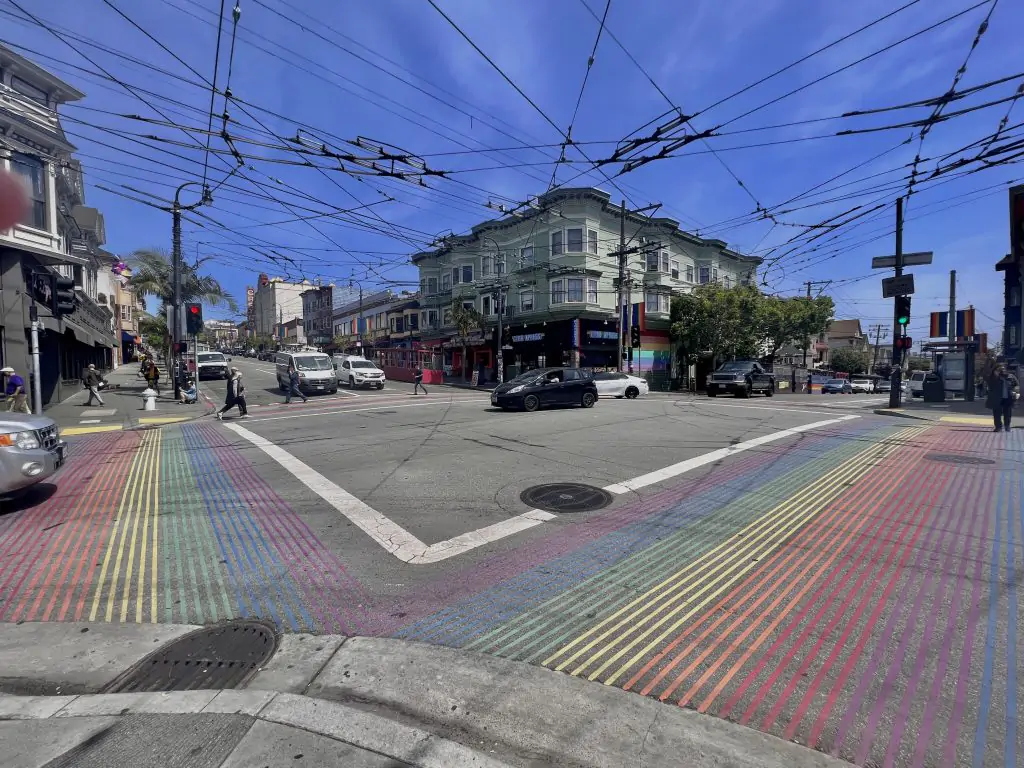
[(793, 320), (153, 330), (716, 320), (152, 275), (466, 319), (849, 361)]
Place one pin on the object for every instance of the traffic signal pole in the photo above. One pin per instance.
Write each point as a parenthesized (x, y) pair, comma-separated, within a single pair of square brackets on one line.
[(896, 392), (176, 274)]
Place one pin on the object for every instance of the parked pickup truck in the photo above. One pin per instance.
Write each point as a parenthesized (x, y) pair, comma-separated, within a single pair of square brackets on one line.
[(30, 451), (741, 378)]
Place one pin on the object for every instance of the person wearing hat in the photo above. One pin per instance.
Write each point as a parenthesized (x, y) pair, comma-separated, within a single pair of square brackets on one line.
[(92, 380), (17, 397)]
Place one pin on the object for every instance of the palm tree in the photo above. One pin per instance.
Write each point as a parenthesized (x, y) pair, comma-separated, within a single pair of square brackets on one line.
[(152, 275), (466, 319)]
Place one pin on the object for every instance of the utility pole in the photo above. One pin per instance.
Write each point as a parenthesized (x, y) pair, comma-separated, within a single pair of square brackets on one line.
[(896, 392), (622, 280), (951, 322), (500, 355), (810, 284), (176, 273), (878, 329)]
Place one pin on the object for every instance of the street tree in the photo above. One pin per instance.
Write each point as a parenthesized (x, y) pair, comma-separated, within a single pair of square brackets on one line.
[(793, 320), (715, 320), (153, 330), (466, 320), (849, 361), (152, 275)]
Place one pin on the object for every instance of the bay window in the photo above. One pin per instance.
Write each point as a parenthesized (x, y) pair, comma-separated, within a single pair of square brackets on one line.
[(652, 261), (526, 256), (575, 290), (485, 305), (714, 274), (526, 301), (455, 275), (675, 269), (592, 292), (592, 240), (33, 171), (446, 282), (574, 240), (556, 242), (431, 286), (499, 263), (485, 264), (467, 273), (689, 273), (558, 291), (656, 302), (664, 261), (705, 275)]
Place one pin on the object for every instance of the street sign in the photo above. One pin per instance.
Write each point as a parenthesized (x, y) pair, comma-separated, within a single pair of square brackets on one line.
[(909, 260), (897, 286)]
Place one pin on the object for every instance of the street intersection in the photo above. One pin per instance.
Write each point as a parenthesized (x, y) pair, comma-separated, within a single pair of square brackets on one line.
[(798, 565)]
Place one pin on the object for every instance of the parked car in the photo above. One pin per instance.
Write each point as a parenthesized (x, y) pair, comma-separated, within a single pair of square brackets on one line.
[(741, 378), (883, 385), (316, 371), (615, 384), (30, 451), (357, 371), (211, 365), (915, 384), (863, 386), (837, 387), (546, 386)]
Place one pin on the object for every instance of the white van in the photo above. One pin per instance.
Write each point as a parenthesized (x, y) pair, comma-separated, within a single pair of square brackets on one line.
[(358, 371), (316, 373), (916, 384)]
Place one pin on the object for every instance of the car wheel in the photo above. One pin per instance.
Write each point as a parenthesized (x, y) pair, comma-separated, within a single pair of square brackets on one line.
[(588, 400), (769, 392), (380, 386), (334, 391), (632, 392), (712, 393), (352, 382), (531, 403)]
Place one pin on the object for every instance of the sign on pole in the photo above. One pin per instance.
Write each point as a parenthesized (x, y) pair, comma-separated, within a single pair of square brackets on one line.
[(897, 286), (909, 260)]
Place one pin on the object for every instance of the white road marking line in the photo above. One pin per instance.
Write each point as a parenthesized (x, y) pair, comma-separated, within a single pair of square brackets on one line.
[(391, 536), (359, 410), (709, 458), (777, 408), (89, 421), (409, 549)]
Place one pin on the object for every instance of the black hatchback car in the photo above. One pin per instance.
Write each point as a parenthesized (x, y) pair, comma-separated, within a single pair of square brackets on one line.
[(546, 386)]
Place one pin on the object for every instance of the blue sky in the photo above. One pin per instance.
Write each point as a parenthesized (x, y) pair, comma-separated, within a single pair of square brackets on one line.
[(338, 68)]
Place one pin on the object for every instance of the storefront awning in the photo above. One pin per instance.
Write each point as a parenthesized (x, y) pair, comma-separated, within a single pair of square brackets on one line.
[(79, 332)]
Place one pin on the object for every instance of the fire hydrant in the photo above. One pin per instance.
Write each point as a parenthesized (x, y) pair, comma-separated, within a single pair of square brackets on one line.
[(149, 399)]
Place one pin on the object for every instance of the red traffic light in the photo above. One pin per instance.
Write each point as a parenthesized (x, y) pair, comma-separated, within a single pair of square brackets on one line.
[(194, 309)]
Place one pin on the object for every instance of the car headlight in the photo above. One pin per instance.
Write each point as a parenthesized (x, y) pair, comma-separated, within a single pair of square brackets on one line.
[(24, 440), (519, 388)]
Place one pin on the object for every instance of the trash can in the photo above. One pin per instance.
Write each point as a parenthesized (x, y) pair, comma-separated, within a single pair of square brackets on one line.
[(932, 389)]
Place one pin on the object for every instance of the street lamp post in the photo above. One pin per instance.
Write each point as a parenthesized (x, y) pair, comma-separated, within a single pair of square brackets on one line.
[(359, 321), (176, 270)]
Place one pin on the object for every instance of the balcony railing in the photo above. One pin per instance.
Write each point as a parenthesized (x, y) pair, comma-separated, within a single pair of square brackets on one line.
[(26, 107)]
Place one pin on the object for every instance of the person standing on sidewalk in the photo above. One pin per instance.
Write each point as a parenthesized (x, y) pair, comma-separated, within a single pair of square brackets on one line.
[(293, 385), (14, 389), (1003, 391), (91, 380), (417, 377)]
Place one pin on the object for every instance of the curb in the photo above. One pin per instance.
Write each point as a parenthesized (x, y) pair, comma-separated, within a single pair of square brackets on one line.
[(901, 414)]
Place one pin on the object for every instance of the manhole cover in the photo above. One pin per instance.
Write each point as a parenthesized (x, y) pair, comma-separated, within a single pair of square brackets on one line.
[(956, 458), (566, 497), (215, 657)]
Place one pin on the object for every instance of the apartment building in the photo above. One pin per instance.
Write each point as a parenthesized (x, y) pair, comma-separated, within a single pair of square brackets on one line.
[(59, 234), (556, 273), (276, 302)]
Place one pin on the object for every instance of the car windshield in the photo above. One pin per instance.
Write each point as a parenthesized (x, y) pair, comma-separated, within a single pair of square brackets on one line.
[(212, 357), (310, 363), (735, 367), (363, 364), (837, 382)]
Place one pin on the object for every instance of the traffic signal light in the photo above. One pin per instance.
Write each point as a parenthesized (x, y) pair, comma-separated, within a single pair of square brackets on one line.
[(903, 310), (63, 296), (904, 342), (193, 318), (634, 336)]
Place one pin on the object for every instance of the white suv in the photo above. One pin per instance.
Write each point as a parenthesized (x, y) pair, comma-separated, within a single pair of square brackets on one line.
[(358, 372), (916, 383)]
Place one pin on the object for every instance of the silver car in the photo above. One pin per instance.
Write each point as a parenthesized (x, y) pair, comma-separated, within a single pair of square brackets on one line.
[(30, 451)]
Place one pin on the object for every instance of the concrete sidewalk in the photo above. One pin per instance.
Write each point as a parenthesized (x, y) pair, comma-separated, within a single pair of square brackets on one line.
[(123, 406), (949, 411), (337, 701)]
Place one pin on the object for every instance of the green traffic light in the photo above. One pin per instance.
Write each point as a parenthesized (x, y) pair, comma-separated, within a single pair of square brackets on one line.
[(903, 320)]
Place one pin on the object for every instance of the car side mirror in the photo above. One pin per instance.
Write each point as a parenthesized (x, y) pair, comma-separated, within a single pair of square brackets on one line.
[(229, 359)]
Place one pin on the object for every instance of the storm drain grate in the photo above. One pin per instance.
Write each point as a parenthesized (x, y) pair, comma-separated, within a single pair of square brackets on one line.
[(216, 657), (566, 497), (957, 458)]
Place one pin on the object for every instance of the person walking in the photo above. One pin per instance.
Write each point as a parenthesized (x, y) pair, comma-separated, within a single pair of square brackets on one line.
[(1003, 391), (293, 385), (153, 376), (235, 396), (14, 389), (417, 377), (92, 380)]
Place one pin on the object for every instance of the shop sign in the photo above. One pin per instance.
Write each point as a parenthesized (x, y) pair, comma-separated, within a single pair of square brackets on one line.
[(526, 337), (602, 335)]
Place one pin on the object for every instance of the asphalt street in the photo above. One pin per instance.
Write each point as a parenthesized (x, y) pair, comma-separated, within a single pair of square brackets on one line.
[(796, 564)]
